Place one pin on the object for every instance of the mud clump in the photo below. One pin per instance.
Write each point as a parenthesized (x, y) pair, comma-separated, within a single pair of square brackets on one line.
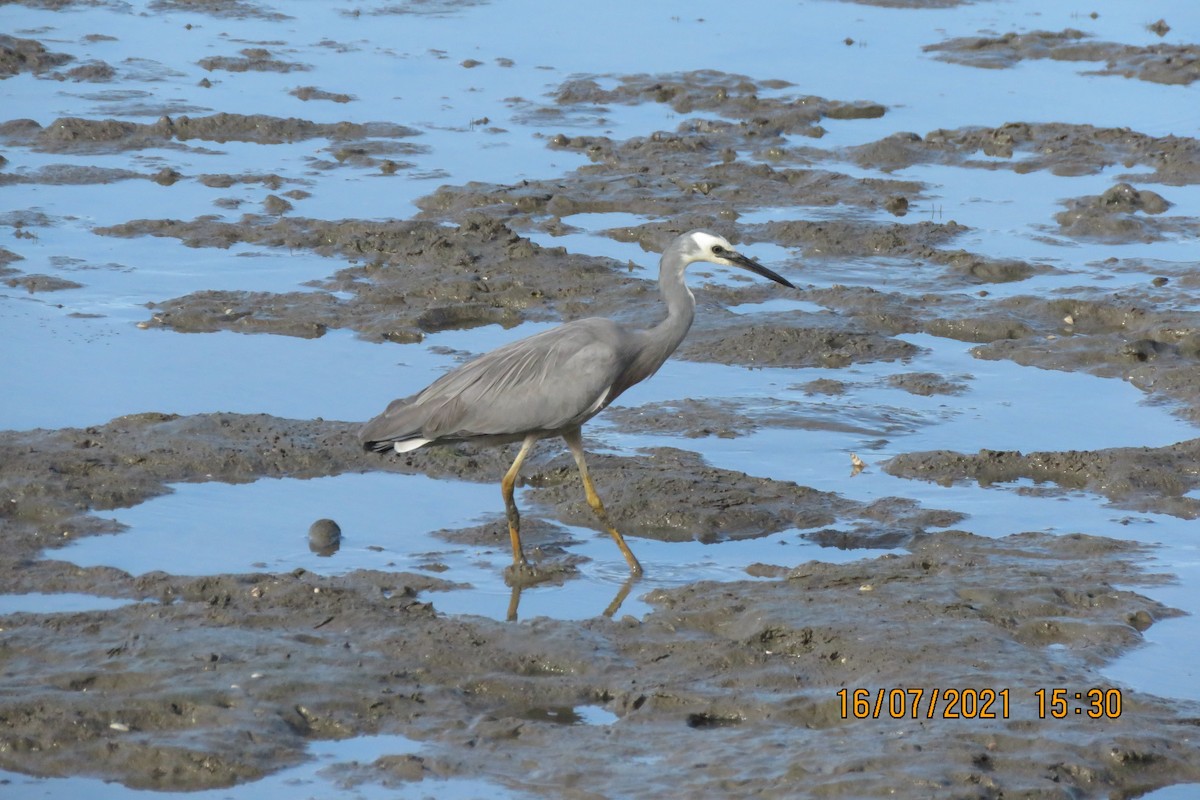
[(27, 55), (728, 419), (1160, 63), (252, 59), (1122, 214), (917, 242), (1063, 149), (927, 384), (778, 344), (695, 177), (42, 283), (681, 182), (1142, 478), (70, 174), (307, 93), (673, 495), (735, 96), (89, 72), (75, 134), (220, 8), (420, 277), (1138, 335)]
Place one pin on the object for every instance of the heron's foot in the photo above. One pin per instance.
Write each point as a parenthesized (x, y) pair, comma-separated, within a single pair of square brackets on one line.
[(523, 573)]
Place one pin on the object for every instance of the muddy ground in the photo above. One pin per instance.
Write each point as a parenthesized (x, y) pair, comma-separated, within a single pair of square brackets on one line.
[(742, 676), (725, 689)]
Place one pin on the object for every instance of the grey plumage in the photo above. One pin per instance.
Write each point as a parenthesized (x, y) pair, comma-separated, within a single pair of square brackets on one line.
[(502, 395), (550, 383)]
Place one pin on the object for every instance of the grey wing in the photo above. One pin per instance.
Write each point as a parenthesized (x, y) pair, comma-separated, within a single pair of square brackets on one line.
[(542, 383)]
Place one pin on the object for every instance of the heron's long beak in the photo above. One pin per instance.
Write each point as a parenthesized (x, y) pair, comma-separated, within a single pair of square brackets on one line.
[(758, 269)]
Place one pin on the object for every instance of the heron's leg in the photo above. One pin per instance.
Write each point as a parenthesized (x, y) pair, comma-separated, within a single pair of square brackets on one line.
[(510, 506), (574, 441)]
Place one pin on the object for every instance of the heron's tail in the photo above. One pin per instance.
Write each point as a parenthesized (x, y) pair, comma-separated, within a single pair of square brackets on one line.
[(396, 428), (375, 446)]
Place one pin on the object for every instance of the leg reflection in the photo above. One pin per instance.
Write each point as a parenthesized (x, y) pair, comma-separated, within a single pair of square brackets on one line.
[(514, 598), (514, 602), (624, 591)]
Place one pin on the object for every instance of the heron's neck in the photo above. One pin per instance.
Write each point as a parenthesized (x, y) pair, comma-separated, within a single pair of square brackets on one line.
[(665, 337), (681, 308)]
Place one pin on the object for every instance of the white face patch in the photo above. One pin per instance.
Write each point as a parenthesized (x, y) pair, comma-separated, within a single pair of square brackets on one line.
[(705, 241)]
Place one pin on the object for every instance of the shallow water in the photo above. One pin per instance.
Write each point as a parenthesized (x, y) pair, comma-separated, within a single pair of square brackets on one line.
[(77, 358), (213, 528), (57, 603), (315, 778)]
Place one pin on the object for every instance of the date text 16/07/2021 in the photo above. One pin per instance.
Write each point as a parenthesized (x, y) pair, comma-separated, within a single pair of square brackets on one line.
[(968, 703)]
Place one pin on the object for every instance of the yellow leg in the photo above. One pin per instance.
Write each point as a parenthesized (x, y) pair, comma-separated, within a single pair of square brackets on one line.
[(574, 441), (510, 506)]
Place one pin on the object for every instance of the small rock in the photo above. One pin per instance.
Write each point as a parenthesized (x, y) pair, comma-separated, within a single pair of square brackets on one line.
[(324, 537)]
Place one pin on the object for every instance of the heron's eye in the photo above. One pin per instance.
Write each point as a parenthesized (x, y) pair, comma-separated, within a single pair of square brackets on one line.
[(717, 249)]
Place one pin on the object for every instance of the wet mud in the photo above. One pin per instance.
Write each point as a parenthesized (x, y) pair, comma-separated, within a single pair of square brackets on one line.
[(1123, 213), (1024, 147), (1137, 335), (252, 59), (1141, 478), (27, 55), (149, 692), (42, 283), (75, 135), (1160, 63), (731, 688)]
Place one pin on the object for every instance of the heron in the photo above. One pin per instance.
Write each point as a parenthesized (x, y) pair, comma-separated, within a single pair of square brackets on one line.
[(551, 383)]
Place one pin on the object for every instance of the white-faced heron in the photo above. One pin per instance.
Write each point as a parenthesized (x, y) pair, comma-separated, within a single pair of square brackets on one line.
[(550, 383)]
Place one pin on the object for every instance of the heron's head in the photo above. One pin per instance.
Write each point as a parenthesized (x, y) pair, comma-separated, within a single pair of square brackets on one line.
[(704, 246)]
